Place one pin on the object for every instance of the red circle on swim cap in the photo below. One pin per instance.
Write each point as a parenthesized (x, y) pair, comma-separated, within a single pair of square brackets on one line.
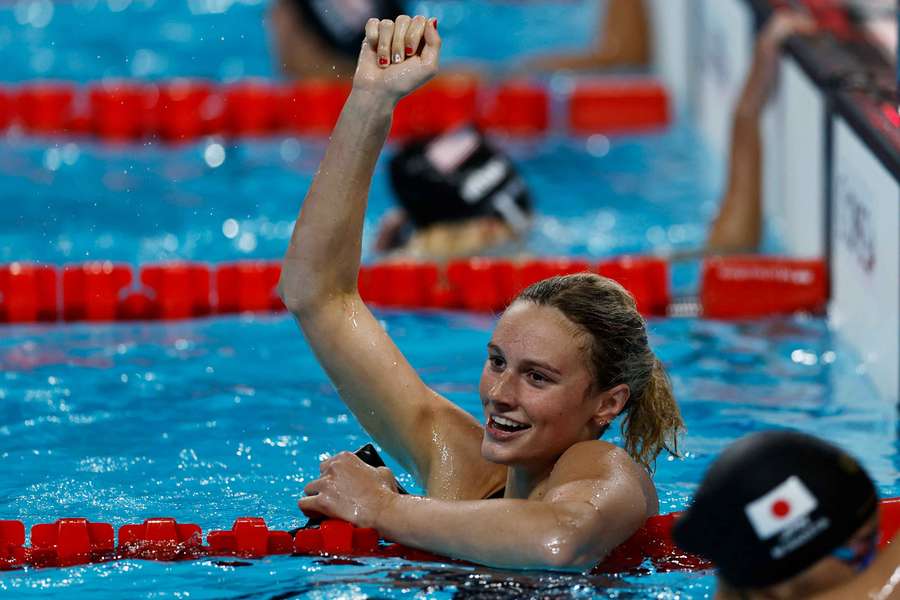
[(781, 508)]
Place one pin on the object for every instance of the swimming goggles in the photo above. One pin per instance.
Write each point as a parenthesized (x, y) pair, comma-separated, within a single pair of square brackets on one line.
[(858, 554)]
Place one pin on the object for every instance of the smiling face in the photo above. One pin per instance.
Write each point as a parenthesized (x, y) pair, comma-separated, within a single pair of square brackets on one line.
[(536, 388)]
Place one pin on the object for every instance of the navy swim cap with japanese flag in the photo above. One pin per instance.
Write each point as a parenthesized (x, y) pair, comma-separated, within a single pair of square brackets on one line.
[(456, 176), (342, 23), (773, 504)]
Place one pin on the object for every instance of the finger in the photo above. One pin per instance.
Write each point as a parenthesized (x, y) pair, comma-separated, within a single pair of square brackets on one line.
[(387, 476), (313, 487), (312, 506), (371, 34), (786, 23), (414, 35), (342, 458), (431, 54), (803, 24), (325, 465), (398, 46), (385, 37)]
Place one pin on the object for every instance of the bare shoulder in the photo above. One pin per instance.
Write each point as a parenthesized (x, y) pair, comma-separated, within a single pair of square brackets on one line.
[(593, 459), (598, 465)]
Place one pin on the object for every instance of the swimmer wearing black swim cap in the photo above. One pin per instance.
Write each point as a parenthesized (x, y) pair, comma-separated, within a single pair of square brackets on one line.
[(782, 515), (459, 196), (321, 38)]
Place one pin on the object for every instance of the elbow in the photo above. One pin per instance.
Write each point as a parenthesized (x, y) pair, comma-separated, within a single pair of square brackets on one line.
[(301, 289), (293, 302), (562, 552), (308, 302), (297, 300)]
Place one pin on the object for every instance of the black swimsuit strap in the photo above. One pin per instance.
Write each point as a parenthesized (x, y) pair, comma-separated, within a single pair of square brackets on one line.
[(497, 495)]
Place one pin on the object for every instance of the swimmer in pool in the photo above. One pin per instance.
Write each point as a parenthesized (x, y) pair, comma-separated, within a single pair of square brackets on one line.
[(418, 230), (624, 42), (319, 38), (459, 195), (530, 484), (738, 225), (784, 515)]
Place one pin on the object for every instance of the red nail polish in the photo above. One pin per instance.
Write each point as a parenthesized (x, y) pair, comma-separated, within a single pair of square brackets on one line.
[(435, 24), (409, 50), (382, 61)]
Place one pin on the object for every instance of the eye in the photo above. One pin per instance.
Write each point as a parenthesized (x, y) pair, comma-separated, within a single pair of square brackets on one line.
[(537, 377), (497, 362)]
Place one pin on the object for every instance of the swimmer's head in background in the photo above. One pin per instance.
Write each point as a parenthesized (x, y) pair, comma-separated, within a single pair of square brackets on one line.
[(773, 504), (341, 23), (459, 176)]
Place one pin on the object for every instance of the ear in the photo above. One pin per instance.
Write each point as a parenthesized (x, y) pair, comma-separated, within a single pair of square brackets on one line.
[(610, 403)]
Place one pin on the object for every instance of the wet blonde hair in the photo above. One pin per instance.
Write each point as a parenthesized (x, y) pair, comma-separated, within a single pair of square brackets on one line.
[(619, 353)]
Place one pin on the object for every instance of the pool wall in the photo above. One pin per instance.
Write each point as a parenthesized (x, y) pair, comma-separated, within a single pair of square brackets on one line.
[(832, 157)]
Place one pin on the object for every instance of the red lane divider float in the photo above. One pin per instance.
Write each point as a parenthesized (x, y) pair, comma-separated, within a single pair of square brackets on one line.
[(251, 108), (12, 544), (250, 536), (27, 293), (626, 106), (248, 286), (6, 110), (160, 539), (439, 106), (120, 110), (517, 108), (182, 110), (70, 542), (45, 107), (733, 287), (756, 286), (91, 291)]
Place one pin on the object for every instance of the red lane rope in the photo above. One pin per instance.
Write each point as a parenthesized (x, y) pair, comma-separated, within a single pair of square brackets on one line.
[(732, 287), (77, 541), (69, 542), (757, 286), (182, 110)]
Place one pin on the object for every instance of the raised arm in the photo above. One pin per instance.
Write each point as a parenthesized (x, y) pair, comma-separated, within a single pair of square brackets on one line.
[(738, 226), (319, 275), (594, 500)]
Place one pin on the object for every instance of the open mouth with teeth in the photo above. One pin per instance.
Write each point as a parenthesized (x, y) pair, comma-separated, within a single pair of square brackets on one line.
[(506, 425)]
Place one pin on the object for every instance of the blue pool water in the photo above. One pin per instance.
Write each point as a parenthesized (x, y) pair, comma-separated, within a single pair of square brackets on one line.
[(226, 39), (207, 420), (87, 200)]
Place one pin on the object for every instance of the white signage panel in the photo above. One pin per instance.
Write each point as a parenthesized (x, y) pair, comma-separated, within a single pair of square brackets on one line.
[(865, 239), (798, 208)]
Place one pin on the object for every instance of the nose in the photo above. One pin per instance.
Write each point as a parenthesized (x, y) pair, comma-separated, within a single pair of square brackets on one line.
[(500, 392)]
